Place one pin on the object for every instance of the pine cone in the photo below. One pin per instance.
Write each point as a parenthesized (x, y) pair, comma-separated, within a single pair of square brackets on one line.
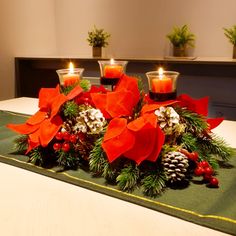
[(175, 166)]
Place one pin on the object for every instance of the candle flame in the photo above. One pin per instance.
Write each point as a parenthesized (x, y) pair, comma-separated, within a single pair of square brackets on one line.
[(71, 68), (160, 71), (112, 61)]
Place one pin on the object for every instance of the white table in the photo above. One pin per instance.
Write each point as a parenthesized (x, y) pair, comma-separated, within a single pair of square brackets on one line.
[(35, 205)]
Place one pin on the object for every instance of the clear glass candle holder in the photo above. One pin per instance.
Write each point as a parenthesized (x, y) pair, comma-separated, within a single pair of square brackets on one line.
[(68, 77), (162, 85), (111, 71)]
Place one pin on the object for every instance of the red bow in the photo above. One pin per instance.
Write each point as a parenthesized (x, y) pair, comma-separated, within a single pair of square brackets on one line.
[(44, 124), (121, 101)]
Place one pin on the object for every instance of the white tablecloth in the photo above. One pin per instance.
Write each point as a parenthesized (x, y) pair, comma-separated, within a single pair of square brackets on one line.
[(35, 205)]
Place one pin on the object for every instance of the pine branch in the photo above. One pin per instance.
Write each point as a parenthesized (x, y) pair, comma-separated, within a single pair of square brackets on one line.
[(217, 146), (21, 143), (109, 172), (97, 160), (68, 160), (189, 141), (128, 178), (36, 156), (195, 123), (70, 109), (154, 183), (85, 85)]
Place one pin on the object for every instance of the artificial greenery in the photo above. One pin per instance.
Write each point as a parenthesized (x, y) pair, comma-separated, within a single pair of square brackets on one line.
[(71, 109), (98, 37), (230, 33), (181, 37)]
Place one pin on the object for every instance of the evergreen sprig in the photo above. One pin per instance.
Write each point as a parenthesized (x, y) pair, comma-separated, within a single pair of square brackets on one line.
[(215, 145), (154, 183), (21, 143), (127, 180), (195, 123), (97, 159), (36, 156), (189, 141), (71, 109), (68, 159), (109, 172), (85, 85)]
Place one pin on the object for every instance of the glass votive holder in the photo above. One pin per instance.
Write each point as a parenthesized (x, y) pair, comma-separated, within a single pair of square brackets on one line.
[(68, 77), (111, 71), (162, 84)]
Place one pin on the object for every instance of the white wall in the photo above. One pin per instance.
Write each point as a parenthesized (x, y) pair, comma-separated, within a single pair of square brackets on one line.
[(138, 28), (27, 28)]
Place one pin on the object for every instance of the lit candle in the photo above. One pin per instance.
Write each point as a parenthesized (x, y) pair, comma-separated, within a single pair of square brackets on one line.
[(70, 78), (161, 84), (113, 70)]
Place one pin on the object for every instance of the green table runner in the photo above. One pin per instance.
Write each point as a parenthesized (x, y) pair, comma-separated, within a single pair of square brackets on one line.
[(213, 208)]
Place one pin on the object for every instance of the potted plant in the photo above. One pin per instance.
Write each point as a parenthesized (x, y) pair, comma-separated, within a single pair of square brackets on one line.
[(181, 38), (97, 38), (230, 33)]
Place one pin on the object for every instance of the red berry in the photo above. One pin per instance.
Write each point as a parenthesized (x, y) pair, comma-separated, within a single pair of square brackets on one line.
[(214, 182), (56, 146), (207, 177), (208, 171), (66, 136), (203, 164), (194, 156), (59, 136), (73, 138), (65, 147), (199, 171)]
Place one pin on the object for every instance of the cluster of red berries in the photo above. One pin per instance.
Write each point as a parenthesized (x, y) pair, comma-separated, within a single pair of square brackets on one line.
[(203, 168), (65, 139)]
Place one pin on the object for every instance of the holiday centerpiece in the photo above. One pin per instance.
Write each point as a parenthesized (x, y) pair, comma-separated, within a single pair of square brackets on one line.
[(124, 136)]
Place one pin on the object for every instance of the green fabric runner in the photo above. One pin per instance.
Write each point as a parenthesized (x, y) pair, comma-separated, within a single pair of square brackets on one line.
[(213, 208)]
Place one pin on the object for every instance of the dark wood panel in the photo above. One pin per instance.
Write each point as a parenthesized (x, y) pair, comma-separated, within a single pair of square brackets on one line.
[(216, 79)]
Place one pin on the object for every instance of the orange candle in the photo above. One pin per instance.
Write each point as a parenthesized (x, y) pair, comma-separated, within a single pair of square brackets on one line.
[(70, 78), (162, 85), (113, 71)]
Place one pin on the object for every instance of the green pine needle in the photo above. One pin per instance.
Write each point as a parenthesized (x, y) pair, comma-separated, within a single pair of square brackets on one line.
[(21, 143), (36, 156), (85, 84), (68, 160), (109, 172), (154, 183), (128, 178), (189, 141), (217, 146), (97, 159), (214, 163), (71, 109), (195, 123)]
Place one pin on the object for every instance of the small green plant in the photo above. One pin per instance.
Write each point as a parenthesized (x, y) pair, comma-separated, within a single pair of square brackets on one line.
[(230, 33), (98, 37), (181, 37)]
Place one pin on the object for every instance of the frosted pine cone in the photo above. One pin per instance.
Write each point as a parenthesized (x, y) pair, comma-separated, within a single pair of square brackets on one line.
[(90, 121), (175, 166)]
